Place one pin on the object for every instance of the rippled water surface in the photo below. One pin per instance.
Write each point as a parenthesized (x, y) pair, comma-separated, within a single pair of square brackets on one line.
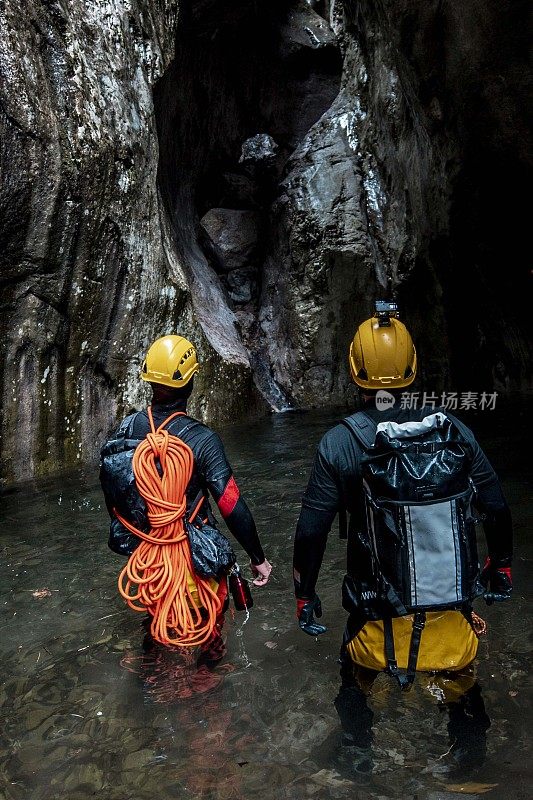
[(86, 712)]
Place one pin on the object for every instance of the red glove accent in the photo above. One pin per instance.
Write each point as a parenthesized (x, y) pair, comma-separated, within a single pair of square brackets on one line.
[(299, 606), (506, 570)]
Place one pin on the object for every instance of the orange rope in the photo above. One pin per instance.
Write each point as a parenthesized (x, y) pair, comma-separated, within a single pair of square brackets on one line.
[(155, 577), (478, 624)]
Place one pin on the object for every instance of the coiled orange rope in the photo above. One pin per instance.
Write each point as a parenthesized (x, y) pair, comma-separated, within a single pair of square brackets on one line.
[(160, 566)]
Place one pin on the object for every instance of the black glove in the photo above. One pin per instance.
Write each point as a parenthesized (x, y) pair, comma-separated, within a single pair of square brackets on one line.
[(498, 582), (306, 619)]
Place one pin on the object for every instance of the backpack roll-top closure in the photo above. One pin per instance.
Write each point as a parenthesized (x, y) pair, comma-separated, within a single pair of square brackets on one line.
[(418, 461)]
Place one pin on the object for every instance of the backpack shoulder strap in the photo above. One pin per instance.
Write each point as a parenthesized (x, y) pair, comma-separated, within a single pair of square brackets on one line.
[(126, 426), (363, 428), (122, 438)]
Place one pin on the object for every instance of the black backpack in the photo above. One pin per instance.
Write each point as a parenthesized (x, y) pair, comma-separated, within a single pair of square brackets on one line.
[(211, 552), (418, 527)]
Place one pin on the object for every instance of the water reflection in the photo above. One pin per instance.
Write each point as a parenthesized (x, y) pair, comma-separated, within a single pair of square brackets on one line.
[(459, 694), (86, 710)]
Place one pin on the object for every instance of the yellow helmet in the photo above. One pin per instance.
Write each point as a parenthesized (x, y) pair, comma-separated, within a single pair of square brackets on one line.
[(382, 354), (171, 361)]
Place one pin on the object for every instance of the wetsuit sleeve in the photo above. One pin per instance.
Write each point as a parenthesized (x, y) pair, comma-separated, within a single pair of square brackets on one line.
[(309, 547), (216, 471), (320, 504), (322, 492), (491, 502), (497, 524)]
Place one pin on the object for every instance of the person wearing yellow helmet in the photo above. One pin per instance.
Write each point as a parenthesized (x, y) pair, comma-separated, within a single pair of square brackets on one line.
[(382, 354), (169, 368), (171, 362), (406, 478)]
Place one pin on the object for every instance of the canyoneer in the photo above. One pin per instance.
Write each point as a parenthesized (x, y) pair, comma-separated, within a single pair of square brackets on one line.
[(157, 472), (408, 480)]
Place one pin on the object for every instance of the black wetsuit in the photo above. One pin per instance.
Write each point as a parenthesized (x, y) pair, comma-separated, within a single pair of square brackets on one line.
[(335, 483), (212, 475)]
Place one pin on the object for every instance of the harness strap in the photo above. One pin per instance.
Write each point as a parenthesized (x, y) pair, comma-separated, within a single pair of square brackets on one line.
[(416, 635), (405, 680), (395, 602), (390, 653)]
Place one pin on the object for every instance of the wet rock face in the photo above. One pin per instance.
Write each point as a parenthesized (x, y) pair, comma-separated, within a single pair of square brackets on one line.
[(234, 234), (395, 187), (470, 71), (90, 270), (254, 176), (364, 177), (252, 81)]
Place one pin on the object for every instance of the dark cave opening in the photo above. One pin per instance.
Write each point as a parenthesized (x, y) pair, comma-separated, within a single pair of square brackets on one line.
[(487, 288), (487, 285), (239, 72), (473, 67), (242, 92)]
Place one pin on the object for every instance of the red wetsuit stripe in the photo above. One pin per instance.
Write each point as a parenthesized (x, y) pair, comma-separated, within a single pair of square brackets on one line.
[(229, 498)]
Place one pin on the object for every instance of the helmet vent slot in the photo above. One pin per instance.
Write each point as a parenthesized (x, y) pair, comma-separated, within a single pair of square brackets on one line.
[(188, 353)]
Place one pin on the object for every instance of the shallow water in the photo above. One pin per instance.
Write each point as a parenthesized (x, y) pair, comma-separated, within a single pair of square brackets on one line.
[(87, 713)]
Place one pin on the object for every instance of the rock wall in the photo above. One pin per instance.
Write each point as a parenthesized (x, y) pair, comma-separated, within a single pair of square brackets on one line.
[(408, 183), (351, 215), (90, 271), (253, 175), (471, 69)]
